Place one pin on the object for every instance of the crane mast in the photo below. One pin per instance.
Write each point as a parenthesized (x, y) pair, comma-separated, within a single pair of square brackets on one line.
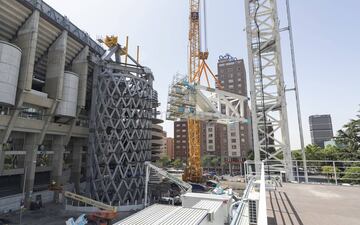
[(268, 100), (193, 170)]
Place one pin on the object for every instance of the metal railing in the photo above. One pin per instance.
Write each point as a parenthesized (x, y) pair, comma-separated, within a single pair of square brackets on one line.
[(318, 171), (242, 213), (262, 214)]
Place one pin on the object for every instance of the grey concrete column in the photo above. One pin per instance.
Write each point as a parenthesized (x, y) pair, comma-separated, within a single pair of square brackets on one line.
[(80, 67), (30, 146), (57, 163), (76, 163), (27, 40), (58, 146), (55, 67), (2, 158)]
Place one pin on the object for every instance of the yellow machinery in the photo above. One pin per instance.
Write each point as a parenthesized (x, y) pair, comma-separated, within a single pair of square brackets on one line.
[(197, 67), (90, 201)]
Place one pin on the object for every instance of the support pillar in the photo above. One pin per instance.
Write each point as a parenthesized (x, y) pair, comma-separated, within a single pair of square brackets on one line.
[(30, 146), (55, 67), (58, 158), (58, 146), (27, 39), (80, 67), (2, 158), (76, 163)]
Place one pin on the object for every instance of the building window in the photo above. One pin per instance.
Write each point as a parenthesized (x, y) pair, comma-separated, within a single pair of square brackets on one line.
[(239, 79), (230, 70), (233, 153), (183, 141), (239, 85), (233, 140), (231, 86), (233, 146), (178, 136), (210, 129), (183, 130), (241, 127), (178, 125), (183, 125), (178, 146), (233, 134), (210, 147), (210, 135), (210, 141), (231, 81), (242, 139), (183, 147)]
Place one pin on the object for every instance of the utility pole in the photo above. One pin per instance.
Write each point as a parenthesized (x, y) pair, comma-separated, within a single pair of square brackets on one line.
[(296, 88)]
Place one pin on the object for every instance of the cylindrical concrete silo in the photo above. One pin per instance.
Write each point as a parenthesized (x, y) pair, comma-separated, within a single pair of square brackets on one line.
[(67, 106), (10, 57)]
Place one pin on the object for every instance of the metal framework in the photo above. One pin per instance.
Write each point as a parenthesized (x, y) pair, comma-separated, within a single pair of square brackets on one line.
[(203, 103), (269, 114), (120, 133)]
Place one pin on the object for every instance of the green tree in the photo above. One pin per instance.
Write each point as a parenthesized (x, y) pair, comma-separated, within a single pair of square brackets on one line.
[(352, 175), (329, 171), (348, 139), (214, 162), (177, 163), (164, 161), (205, 161)]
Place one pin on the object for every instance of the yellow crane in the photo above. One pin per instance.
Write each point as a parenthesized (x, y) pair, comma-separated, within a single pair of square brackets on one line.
[(197, 68)]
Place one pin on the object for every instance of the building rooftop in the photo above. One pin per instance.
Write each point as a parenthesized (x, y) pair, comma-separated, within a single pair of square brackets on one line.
[(166, 215), (312, 204)]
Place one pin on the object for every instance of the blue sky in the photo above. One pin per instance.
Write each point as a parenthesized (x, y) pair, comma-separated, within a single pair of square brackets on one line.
[(326, 37)]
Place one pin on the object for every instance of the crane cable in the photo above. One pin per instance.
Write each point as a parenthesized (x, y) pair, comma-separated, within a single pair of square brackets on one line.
[(205, 22), (262, 86)]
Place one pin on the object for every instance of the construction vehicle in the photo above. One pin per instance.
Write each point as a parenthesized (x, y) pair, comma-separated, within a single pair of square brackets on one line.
[(103, 217)]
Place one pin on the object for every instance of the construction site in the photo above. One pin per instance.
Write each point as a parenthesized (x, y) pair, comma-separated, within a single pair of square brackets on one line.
[(82, 133)]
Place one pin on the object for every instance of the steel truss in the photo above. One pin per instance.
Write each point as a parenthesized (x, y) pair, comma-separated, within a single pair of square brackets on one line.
[(269, 115), (198, 102), (120, 134)]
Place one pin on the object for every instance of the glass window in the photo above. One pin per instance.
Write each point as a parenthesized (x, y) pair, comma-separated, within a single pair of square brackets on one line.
[(233, 140)]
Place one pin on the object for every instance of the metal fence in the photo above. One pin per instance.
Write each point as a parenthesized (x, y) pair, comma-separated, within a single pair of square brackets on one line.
[(319, 171)]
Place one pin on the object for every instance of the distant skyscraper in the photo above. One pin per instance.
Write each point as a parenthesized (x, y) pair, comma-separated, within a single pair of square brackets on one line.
[(321, 129)]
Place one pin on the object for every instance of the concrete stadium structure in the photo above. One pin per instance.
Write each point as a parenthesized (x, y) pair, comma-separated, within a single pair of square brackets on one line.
[(47, 69)]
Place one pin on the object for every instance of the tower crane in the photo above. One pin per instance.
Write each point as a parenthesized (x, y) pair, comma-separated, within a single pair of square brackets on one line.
[(188, 99)]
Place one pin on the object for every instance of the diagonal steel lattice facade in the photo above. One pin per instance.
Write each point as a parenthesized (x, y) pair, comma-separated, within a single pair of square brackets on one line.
[(120, 135)]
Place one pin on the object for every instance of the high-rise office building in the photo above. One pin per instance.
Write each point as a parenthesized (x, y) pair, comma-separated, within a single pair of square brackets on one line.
[(321, 129), (231, 142), (180, 140), (170, 147)]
